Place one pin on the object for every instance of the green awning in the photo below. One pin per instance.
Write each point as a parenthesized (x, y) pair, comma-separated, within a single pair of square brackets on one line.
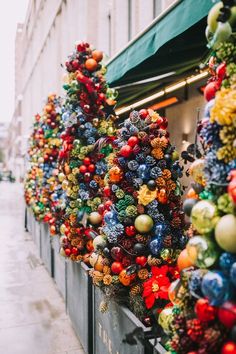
[(129, 65)]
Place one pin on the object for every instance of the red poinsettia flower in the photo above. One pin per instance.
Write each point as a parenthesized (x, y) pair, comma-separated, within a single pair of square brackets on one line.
[(157, 286)]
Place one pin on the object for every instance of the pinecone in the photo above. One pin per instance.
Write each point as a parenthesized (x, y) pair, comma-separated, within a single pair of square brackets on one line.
[(106, 269), (157, 153), (152, 261), (166, 174), (160, 182), (143, 274), (142, 239), (107, 280), (103, 307), (167, 242), (176, 222), (136, 289)]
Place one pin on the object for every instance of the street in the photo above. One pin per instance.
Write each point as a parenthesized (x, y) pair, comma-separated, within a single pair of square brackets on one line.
[(32, 312)]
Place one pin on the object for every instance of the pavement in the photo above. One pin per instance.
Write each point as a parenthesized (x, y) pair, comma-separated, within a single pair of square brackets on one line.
[(33, 319)]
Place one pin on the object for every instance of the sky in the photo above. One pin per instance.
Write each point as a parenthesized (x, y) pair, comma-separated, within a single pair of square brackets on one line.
[(12, 12)]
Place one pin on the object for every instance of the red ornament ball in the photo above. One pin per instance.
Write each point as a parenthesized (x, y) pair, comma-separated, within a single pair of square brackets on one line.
[(91, 168), (227, 314), (107, 191), (210, 90), (67, 252), (229, 348), (221, 71), (74, 250), (143, 113), (204, 311), (86, 161), (116, 267), (108, 204), (126, 151), (83, 169), (132, 141)]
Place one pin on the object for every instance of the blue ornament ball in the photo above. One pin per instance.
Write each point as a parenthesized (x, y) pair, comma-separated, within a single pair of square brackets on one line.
[(155, 245), (110, 218), (216, 287), (226, 261)]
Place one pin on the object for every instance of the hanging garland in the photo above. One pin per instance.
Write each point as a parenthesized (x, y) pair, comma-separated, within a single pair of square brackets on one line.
[(142, 234), (41, 179), (87, 143)]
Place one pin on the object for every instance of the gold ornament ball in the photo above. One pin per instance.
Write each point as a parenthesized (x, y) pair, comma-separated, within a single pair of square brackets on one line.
[(225, 233), (95, 218), (197, 171), (61, 177), (143, 223)]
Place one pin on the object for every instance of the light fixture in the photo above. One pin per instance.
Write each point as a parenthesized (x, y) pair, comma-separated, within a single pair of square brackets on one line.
[(197, 77), (165, 103), (140, 103), (161, 93), (175, 86)]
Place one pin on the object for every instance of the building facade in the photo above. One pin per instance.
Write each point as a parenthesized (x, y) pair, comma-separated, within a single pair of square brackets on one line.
[(46, 38)]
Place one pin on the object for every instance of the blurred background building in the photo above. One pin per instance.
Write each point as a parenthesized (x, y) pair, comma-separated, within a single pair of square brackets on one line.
[(46, 38)]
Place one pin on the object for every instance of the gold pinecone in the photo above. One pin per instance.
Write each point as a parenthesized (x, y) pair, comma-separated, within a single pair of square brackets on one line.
[(152, 261), (136, 289), (107, 280), (160, 182), (106, 270), (143, 274), (166, 174), (157, 153)]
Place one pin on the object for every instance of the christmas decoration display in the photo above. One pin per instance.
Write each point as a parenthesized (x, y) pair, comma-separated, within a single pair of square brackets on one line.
[(202, 319), (43, 191), (88, 135), (141, 236)]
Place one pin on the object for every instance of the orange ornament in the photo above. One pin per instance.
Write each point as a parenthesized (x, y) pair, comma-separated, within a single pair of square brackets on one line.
[(89, 245), (91, 64), (184, 261), (97, 55), (48, 108), (162, 197), (115, 174), (192, 194), (125, 278), (67, 169)]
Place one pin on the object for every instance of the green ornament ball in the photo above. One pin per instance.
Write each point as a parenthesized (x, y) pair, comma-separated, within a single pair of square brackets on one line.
[(165, 319), (225, 233), (143, 223), (204, 216), (99, 242), (202, 251)]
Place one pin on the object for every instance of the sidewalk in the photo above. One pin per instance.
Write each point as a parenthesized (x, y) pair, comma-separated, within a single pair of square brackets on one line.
[(32, 312)]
